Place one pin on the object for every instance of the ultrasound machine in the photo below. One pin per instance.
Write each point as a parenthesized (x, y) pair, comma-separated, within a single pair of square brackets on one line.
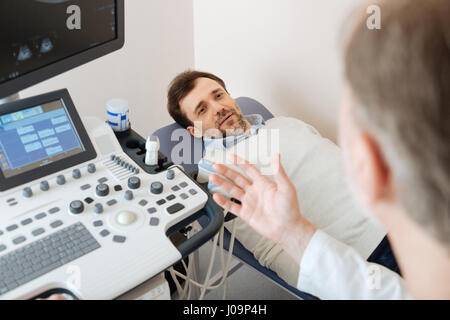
[(80, 211)]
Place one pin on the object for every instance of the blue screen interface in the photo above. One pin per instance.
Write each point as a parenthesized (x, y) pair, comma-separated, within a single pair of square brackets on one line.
[(37, 136)]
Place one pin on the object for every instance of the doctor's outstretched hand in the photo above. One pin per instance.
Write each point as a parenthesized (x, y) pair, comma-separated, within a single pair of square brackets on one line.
[(269, 207)]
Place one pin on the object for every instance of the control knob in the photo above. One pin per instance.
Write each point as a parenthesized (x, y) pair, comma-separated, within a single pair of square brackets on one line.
[(129, 195), (76, 207), (102, 190), (98, 208), (91, 168), (156, 188), (60, 179), (27, 192), (134, 183), (44, 185), (170, 174), (76, 174)]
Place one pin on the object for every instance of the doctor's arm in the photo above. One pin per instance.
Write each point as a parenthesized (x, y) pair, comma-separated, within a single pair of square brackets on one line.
[(329, 269)]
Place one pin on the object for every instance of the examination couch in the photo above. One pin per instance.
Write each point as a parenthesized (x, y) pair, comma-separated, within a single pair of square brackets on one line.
[(166, 135)]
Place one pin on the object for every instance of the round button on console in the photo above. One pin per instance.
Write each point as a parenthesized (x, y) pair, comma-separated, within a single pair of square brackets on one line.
[(76, 174), (98, 208), (60, 179), (76, 207), (44, 185), (170, 174), (129, 195), (27, 192), (102, 190), (134, 183), (91, 168), (156, 188)]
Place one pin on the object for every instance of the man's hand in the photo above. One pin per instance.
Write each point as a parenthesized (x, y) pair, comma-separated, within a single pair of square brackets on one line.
[(271, 208)]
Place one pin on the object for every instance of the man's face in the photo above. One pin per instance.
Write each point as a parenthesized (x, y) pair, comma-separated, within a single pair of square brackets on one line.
[(213, 111)]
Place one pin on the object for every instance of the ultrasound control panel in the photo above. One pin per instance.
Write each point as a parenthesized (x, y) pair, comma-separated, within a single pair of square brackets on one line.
[(95, 227)]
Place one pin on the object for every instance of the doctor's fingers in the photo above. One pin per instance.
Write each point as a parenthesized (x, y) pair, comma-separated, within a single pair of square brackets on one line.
[(232, 175), (249, 169), (280, 176), (227, 204), (230, 188)]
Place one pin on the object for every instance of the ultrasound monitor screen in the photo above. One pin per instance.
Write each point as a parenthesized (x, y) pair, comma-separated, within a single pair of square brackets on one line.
[(36, 136), (37, 33)]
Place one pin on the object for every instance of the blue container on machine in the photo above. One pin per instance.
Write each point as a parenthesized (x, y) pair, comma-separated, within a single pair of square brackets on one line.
[(118, 114)]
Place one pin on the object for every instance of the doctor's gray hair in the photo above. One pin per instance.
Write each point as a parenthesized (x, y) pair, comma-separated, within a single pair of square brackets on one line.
[(400, 77)]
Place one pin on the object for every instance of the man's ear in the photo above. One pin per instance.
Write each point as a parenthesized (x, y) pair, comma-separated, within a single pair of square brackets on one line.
[(373, 173), (194, 132)]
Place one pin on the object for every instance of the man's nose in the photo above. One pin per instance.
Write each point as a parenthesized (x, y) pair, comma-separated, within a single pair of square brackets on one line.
[(218, 108)]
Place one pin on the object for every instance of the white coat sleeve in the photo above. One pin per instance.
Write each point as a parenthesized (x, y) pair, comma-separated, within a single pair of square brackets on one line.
[(332, 270)]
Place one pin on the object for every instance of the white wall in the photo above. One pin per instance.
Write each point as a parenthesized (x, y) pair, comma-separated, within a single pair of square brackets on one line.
[(158, 45), (284, 53)]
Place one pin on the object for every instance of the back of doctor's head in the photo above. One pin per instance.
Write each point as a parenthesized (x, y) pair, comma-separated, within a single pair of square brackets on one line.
[(400, 77)]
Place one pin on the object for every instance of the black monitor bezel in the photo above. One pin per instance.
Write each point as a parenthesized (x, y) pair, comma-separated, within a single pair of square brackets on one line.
[(34, 77), (88, 154)]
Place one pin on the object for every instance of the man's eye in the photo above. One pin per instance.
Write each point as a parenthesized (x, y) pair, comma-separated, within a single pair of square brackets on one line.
[(202, 110), (219, 96)]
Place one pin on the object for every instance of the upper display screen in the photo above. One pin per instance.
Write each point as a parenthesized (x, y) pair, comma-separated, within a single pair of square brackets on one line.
[(35, 137), (38, 33)]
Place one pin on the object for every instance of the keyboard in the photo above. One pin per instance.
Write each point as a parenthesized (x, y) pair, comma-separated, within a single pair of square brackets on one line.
[(40, 257)]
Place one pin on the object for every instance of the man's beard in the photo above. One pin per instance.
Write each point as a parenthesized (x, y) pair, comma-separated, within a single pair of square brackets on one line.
[(238, 128)]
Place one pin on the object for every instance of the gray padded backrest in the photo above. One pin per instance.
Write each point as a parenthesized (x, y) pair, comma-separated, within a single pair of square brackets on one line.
[(179, 134)]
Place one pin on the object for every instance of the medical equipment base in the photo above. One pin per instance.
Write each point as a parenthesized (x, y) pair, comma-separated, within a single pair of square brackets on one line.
[(94, 223)]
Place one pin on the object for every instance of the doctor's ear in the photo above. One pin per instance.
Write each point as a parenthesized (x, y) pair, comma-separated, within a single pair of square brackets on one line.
[(195, 132), (373, 173)]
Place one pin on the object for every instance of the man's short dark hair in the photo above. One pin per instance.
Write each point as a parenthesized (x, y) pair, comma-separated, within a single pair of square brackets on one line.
[(180, 87), (400, 77)]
